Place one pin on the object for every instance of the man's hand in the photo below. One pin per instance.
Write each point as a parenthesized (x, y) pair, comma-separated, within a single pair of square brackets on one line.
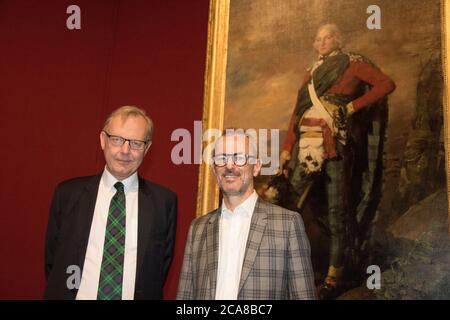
[(284, 158), (350, 109)]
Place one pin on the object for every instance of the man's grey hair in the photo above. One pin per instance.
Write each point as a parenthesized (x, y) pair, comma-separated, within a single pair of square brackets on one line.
[(127, 111), (334, 30)]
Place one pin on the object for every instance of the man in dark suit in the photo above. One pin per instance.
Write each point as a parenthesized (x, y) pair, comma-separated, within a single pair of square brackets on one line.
[(247, 248), (111, 236)]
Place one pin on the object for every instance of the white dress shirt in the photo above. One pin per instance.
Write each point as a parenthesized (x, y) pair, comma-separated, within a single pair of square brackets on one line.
[(94, 253), (233, 233)]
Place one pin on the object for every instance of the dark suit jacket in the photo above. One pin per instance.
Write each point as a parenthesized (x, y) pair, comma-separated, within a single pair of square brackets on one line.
[(68, 229)]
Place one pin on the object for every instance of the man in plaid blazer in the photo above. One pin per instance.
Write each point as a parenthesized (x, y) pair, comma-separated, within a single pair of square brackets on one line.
[(247, 248)]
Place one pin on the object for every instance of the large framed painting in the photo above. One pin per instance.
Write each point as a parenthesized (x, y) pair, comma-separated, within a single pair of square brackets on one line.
[(353, 97)]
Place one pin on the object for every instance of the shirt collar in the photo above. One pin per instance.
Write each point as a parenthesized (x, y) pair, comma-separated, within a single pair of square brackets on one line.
[(333, 53), (130, 184), (245, 209)]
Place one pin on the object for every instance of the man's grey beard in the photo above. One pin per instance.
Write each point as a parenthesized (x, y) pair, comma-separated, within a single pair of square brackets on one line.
[(233, 192)]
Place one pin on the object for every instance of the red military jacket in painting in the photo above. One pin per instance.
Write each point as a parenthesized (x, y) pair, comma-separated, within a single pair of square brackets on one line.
[(359, 70)]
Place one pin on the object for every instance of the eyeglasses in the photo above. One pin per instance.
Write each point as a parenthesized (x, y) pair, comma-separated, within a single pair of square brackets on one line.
[(118, 141), (239, 159)]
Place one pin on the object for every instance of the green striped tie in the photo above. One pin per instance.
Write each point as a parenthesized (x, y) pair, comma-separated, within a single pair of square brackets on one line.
[(111, 273)]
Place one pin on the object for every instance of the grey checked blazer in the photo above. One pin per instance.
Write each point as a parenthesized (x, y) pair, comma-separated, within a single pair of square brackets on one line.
[(277, 262)]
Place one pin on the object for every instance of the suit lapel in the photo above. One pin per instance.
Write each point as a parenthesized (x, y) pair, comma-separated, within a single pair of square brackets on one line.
[(145, 210), (212, 250), (86, 207), (256, 232)]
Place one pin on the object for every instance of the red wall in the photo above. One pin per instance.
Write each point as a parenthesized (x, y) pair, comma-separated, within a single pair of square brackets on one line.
[(56, 88)]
